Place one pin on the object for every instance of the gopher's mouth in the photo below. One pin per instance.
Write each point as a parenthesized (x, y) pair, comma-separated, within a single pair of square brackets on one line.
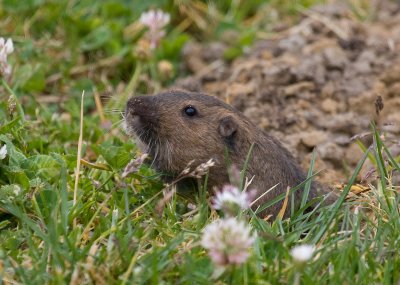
[(134, 126), (131, 125), (148, 140)]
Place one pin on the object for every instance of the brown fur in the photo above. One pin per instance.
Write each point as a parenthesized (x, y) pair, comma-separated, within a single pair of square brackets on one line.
[(173, 139)]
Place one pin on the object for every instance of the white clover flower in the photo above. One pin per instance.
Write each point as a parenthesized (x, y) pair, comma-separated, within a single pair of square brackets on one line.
[(228, 241), (6, 47), (302, 253), (17, 190), (230, 200), (155, 21), (3, 152)]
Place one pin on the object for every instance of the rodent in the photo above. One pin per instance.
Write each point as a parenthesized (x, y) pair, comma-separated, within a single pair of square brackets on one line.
[(177, 127)]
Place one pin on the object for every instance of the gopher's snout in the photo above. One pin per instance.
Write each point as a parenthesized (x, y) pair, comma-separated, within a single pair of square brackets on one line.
[(141, 116), (136, 106)]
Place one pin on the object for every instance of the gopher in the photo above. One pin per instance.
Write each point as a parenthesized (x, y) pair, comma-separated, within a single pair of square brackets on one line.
[(177, 127)]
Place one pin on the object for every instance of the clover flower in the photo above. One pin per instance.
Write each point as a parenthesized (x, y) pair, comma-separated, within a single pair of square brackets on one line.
[(228, 241), (6, 47), (302, 253), (155, 21), (3, 152), (231, 200), (17, 190)]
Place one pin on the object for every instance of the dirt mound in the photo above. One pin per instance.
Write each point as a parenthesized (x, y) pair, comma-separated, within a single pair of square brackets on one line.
[(315, 84)]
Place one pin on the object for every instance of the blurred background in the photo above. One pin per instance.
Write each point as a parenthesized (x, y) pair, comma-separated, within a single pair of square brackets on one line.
[(63, 47)]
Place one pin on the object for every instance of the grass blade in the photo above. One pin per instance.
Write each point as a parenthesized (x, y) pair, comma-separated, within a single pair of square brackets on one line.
[(341, 199), (307, 186)]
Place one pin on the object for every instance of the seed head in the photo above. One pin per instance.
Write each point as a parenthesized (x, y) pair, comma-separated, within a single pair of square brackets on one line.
[(202, 169), (134, 165)]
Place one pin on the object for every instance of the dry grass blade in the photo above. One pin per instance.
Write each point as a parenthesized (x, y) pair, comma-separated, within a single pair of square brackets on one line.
[(100, 166), (167, 197), (99, 106), (285, 203), (79, 155)]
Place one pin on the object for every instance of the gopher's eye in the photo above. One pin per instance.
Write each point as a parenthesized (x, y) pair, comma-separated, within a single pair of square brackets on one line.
[(190, 111)]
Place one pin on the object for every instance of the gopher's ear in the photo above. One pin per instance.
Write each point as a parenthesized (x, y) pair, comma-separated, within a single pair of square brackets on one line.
[(227, 127)]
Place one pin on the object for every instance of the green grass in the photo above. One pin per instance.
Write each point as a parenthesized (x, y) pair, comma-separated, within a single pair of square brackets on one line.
[(112, 234)]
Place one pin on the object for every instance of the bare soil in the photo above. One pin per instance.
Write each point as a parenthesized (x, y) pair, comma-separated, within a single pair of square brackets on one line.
[(315, 84)]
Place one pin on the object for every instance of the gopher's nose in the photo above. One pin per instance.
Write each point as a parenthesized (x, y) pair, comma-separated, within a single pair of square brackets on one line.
[(142, 107), (137, 106), (130, 106)]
